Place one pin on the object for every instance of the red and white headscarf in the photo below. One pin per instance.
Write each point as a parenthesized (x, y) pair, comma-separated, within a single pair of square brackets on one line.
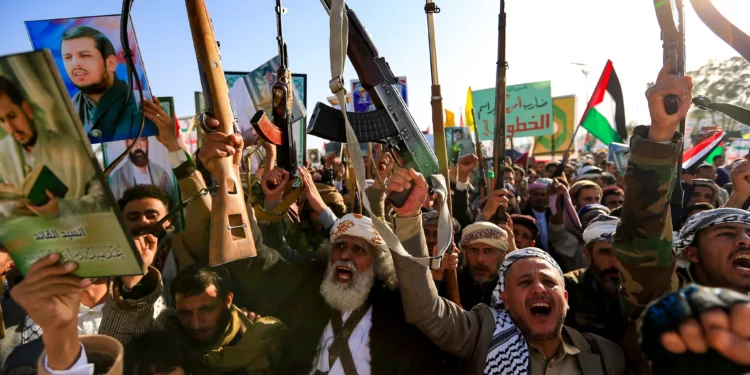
[(359, 226)]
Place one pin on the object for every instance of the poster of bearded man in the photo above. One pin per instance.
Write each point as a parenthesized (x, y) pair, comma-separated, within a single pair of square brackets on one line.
[(90, 58), (146, 164)]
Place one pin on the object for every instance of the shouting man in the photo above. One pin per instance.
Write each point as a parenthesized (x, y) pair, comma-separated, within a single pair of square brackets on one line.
[(522, 334), (348, 292)]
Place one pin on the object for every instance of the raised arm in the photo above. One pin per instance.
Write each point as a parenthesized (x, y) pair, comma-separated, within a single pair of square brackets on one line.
[(643, 240), (449, 326)]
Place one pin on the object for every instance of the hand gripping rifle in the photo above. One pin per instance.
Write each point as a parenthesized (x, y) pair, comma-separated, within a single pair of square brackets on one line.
[(231, 237), (391, 123), (499, 146), (671, 19), (348, 35), (279, 132)]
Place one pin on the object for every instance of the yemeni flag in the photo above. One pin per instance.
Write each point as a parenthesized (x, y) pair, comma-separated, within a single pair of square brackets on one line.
[(693, 157), (604, 117)]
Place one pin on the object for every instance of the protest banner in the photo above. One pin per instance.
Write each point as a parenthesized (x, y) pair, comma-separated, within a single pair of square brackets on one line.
[(564, 119), (528, 111)]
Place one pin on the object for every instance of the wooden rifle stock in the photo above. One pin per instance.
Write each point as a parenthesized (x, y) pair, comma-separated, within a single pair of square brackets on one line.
[(231, 235)]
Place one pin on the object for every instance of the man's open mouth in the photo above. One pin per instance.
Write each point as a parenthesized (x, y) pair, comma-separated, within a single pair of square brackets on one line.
[(79, 73), (344, 273), (540, 309), (742, 262)]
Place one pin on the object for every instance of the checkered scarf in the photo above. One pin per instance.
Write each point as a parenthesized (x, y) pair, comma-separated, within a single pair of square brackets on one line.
[(509, 351), (703, 220)]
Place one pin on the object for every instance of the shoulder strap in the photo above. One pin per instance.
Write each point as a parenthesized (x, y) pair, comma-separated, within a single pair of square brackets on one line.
[(342, 331), (596, 350)]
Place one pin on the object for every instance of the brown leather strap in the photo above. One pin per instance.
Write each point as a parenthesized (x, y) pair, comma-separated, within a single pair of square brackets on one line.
[(342, 331), (280, 211)]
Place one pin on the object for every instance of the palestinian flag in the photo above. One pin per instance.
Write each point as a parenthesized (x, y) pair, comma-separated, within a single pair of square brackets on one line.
[(604, 117), (693, 157)]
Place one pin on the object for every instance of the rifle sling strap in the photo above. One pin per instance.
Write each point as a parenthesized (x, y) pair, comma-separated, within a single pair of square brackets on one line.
[(280, 211), (341, 332), (339, 40)]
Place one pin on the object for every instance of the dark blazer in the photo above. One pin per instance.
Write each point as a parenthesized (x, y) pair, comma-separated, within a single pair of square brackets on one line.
[(113, 120)]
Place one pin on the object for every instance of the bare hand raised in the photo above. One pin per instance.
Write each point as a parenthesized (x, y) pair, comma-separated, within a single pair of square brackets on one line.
[(466, 164)]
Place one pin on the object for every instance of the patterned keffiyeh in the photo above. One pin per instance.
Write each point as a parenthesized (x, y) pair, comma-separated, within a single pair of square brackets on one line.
[(509, 351), (703, 220), (359, 226), (486, 233)]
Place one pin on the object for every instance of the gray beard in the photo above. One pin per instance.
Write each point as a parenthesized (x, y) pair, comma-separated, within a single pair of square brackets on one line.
[(346, 297)]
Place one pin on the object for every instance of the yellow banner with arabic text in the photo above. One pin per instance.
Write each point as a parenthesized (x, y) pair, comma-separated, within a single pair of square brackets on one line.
[(564, 114)]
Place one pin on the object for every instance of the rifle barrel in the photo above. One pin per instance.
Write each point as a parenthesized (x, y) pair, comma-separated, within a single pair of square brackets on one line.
[(499, 146)]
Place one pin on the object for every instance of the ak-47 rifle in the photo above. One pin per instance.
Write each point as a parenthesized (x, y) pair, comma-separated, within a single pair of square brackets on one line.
[(391, 123), (231, 237), (279, 132), (499, 146), (671, 19)]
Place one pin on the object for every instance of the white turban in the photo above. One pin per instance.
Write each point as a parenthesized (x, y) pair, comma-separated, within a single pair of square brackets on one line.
[(601, 228), (486, 233), (359, 226)]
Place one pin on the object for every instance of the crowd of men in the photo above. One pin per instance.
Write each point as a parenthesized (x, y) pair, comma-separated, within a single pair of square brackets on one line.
[(588, 271)]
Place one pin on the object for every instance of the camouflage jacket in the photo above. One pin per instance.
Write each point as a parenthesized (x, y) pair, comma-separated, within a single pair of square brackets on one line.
[(592, 308), (643, 239)]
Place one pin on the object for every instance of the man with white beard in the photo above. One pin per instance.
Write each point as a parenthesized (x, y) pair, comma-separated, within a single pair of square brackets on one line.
[(351, 284), (348, 295)]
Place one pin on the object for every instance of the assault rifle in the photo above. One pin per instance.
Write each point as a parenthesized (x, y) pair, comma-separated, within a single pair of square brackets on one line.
[(671, 21), (231, 237), (391, 123), (500, 80), (279, 131)]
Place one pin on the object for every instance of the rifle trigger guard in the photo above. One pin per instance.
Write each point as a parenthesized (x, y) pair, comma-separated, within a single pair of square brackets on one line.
[(202, 121), (703, 103), (336, 85)]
